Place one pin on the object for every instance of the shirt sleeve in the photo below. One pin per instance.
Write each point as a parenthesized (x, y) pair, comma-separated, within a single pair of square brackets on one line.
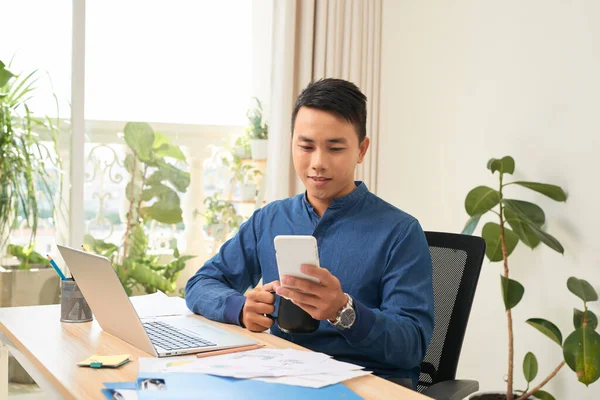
[(399, 331), (216, 290)]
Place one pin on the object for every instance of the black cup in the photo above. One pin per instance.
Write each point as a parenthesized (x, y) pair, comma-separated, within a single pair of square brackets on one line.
[(292, 319)]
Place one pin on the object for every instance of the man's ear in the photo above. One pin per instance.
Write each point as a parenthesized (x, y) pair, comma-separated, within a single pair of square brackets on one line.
[(363, 147)]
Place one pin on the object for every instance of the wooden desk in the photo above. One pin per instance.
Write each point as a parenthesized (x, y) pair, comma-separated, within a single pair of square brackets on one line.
[(49, 351)]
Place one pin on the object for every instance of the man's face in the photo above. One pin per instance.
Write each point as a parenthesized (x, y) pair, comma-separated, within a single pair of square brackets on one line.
[(325, 151)]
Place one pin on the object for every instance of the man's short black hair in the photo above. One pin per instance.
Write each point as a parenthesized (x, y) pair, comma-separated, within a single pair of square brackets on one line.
[(337, 96)]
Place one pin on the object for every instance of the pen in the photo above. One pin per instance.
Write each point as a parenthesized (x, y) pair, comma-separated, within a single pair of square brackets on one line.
[(228, 351), (58, 271)]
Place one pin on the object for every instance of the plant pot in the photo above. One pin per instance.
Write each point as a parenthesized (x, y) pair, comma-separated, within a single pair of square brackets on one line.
[(39, 285), (241, 152), (247, 191), (259, 148), (497, 395)]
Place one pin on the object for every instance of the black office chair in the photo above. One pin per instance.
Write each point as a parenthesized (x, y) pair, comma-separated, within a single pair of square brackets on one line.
[(457, 262)]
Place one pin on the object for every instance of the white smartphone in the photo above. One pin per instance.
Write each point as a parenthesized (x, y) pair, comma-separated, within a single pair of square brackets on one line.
[(292, 251)]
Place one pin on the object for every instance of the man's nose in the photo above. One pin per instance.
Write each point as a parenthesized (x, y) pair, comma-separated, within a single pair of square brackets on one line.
[(318, 161)]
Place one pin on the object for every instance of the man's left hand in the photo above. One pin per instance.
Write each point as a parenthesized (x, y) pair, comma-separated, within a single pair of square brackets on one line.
[(321, 300)]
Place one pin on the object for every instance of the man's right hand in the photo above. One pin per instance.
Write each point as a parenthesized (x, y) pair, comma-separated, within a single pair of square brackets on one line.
[(258, 303)]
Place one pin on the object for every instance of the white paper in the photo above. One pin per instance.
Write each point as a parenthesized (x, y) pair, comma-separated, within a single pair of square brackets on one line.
[(317, 380), (163, 364), (286, 366), (158, 305), (255, 363)]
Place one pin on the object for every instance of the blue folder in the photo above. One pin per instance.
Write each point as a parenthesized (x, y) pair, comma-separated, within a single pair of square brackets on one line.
[(187, 386)]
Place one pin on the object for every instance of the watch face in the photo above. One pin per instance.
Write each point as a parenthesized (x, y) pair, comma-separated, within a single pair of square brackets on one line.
[(347, 318)]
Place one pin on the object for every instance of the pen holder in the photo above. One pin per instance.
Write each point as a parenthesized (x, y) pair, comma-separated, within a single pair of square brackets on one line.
[(73, 307)]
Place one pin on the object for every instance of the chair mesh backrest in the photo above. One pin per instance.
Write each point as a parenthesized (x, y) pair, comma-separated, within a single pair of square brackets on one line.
[(456, 263)]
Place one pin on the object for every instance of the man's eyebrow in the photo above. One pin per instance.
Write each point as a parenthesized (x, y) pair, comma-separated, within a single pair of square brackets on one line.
[(341, 140), (305, 139)]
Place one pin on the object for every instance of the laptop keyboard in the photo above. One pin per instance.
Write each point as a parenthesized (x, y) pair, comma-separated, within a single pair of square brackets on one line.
[(170, 338)]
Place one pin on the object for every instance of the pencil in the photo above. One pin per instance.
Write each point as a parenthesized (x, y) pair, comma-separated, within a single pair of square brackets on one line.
[(58, 271), (228, 351)]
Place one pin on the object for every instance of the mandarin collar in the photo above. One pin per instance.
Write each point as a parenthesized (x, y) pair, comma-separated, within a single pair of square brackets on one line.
[(345, 201)]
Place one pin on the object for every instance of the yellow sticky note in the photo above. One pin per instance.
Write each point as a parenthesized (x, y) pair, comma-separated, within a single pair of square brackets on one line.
[(97, 361)]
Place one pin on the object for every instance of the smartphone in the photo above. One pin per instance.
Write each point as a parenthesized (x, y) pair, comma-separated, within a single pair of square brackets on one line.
[(292, 251)]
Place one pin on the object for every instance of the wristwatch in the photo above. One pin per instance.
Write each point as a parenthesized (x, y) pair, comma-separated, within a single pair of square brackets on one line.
[(346, 316)]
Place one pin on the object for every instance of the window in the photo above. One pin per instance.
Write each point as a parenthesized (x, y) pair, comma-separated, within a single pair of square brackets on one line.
[(189, 68), (41, 41), (180, 61)]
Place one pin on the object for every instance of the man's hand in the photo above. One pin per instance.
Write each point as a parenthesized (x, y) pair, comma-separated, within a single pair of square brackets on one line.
[(321, 300), (258, 303)]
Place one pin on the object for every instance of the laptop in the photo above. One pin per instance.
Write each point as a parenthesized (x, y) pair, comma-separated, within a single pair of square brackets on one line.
[(159, 336)]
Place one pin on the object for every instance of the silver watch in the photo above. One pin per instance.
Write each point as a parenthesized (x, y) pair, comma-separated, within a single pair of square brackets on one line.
[(346, 316)]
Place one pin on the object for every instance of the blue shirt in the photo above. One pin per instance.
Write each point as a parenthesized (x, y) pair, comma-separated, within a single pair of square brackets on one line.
[(378, 252)]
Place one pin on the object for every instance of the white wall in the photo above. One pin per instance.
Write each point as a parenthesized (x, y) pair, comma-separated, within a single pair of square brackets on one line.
[(464, 81)]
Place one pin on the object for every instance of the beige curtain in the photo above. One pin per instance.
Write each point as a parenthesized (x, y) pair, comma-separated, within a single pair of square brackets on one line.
[(315, 39)]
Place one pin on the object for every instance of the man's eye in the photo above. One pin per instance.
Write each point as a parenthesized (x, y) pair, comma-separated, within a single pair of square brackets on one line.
[(337, 148), (305, 147)]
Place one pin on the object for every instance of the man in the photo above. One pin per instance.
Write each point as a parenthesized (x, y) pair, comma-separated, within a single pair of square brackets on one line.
[(376, 273)]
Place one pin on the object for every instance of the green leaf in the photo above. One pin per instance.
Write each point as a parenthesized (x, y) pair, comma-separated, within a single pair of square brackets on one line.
[(5, 76), (156, 190), (178, 178), (547, 239), (139, 137), (491, 235), (481, 199), (542, 395), (547, 328), (129, 162), (582, 289), (167, 150), (165, 210), (165, 215), (512, 292), (148, 278), (521, 227), (185, 258), (471, 224), (506, 165), (26, 255), (582, 354), (578, 319), (133, 195), (99, 246), (138, 242), (552, 191), (527, 210), (159, 140), (530, 367)]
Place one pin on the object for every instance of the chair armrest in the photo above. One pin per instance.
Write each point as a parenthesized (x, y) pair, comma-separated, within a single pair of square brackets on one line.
[(452, 390)]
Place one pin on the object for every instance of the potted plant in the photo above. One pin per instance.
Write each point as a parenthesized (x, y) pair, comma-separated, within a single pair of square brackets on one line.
[(581, 349), (257, 132), (25, 194), (153, 194), (241, 147), (243, 177), (24, 179), (220, 218)]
